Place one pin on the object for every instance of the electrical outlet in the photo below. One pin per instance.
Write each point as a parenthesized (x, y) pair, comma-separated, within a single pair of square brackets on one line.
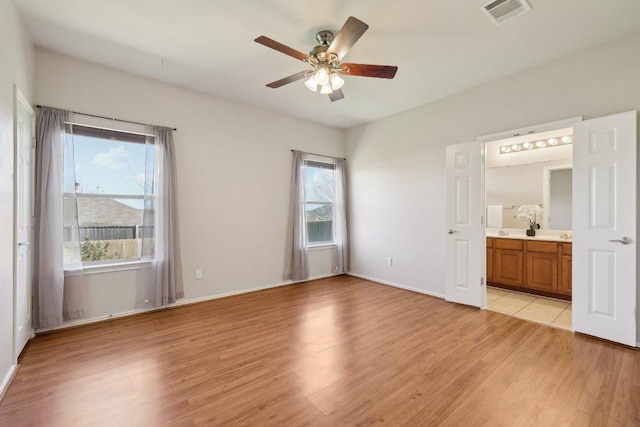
[(389, 261), (199, 273)]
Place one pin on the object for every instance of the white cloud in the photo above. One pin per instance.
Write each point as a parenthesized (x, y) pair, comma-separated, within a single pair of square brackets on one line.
[(115, 158)]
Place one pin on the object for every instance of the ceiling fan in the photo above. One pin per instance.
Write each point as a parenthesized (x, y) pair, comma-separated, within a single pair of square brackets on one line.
[(324, 77)]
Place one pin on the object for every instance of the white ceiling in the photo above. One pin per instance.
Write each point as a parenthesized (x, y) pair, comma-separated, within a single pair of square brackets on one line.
[(441, 47)]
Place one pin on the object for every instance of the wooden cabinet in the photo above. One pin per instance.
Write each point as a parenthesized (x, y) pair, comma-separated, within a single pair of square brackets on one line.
[(565, 260), (489, 259), (542, 265), (508, 261), (530, 265)]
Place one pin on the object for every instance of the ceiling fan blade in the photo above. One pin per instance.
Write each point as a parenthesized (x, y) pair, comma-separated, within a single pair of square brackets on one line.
[(266, 41), (380, 71), (287, 80), (350, 33), (336, 95)]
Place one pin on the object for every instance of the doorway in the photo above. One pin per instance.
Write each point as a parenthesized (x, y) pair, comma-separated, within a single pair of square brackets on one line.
[(528, 259), (604, 223)]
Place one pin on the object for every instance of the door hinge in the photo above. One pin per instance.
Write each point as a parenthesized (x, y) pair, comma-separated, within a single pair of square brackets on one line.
[(482, 281), (482, 220)]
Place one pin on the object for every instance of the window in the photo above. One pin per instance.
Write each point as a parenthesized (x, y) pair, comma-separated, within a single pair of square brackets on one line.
[(108, 187), (319, 190)]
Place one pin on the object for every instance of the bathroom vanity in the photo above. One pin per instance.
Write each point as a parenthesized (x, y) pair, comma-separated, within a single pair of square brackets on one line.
[(539, 265)]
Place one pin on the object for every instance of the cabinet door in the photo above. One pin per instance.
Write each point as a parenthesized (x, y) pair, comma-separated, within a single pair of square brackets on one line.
[(508, 266), (565, 275), (542, 271), (489, 264)]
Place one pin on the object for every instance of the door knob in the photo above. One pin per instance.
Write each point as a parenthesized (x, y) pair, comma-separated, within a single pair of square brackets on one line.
[(23, 243), (624, 240), (452, 231)]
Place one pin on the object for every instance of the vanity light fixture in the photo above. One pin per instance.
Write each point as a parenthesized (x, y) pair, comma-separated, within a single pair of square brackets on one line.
[(545, 143)]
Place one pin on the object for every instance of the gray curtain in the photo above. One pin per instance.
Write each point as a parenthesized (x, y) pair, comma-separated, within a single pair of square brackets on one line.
[(296, 255), (54, 300), (161, 283), (340, 232)]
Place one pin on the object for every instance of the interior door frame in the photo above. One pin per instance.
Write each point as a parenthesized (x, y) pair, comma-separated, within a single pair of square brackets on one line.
[(543, 127), (20, 99)]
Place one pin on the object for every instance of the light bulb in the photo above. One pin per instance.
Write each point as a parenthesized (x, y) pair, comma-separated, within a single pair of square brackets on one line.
[(553, 141), (326, 89), (540, 144), (515, 147), (322, 76), (336, 81), (566, 139), (504, 149), (311, 84), (527, 145)]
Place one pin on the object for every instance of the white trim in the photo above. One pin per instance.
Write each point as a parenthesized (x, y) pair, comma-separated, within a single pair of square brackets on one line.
[(111, 196), (322, 246), (7, 380), (559, 124), (109, 267), (82, 322), (108, 128), (397, 285)]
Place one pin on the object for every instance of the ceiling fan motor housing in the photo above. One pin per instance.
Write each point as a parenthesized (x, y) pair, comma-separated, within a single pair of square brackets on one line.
[(324, 37)]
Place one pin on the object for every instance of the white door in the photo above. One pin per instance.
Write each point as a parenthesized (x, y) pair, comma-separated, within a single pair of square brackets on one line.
[(24, 119), (604, 226), (465, 229)]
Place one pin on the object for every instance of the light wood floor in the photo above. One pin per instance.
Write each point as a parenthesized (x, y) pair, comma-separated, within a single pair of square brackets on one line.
[(339, 351)]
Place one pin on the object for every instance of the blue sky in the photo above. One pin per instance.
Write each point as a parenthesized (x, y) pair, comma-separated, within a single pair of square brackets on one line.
[(105, 166)]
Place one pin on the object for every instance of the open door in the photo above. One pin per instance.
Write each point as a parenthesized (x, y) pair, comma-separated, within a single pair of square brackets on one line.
[(24, 154), (464, 281), (604, 228)]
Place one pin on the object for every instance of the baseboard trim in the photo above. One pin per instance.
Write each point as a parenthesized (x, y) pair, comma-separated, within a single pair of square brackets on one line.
[(397, 285), (4, 386), (106, 318)]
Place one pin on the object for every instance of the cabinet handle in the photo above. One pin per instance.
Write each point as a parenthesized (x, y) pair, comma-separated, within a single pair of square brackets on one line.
[(624, 240)]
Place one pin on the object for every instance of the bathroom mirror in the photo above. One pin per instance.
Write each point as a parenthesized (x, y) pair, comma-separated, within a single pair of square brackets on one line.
[(557, 181), (546, 183)]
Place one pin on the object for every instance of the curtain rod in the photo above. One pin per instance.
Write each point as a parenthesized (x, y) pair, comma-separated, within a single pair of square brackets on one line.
[(108, 118), (321, 155)]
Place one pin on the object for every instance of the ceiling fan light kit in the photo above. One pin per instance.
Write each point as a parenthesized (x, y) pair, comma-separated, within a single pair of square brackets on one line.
[(325, 60)]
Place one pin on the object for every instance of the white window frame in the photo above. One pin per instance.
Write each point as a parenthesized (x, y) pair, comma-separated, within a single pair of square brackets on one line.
[(105, 266), (332, 167)]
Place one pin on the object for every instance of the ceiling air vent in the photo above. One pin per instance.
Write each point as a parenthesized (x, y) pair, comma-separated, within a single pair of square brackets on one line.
[(499, 11)]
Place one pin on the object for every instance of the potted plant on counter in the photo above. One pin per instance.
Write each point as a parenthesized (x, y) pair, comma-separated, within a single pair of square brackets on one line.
[(530, 214)]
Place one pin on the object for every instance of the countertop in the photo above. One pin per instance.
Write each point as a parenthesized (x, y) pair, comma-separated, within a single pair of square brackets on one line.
[(544, 238)]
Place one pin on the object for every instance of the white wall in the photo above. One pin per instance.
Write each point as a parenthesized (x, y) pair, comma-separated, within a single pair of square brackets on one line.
[(233, 165), (17, 67), (397, 163)]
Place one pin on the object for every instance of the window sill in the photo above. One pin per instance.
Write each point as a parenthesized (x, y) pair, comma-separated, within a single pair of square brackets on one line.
[(110, 268), (322, 246)]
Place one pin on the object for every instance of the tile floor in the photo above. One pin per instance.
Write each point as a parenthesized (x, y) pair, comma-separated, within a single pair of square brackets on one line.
[(530, 307)]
